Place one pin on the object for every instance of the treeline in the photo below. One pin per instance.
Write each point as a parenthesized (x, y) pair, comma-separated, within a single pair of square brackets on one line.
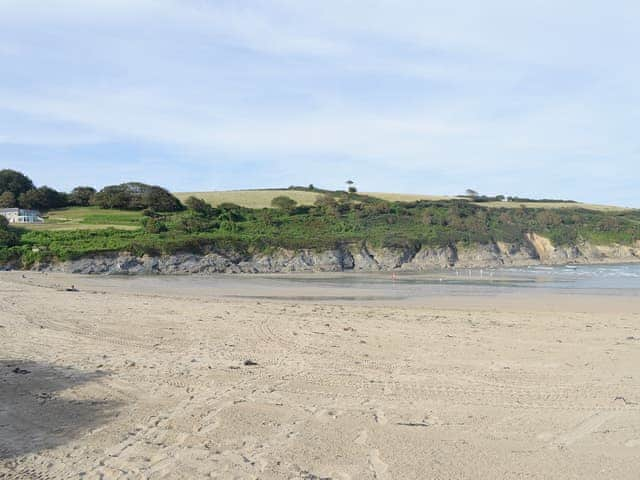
[(18, 191), (502, 198)]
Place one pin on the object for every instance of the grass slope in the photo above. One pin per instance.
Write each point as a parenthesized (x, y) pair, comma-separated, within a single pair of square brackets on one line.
[(250, 198), (88, 218)]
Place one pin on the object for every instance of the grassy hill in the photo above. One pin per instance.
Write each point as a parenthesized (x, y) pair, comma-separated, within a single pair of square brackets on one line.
[(261, 198), (251, 198)]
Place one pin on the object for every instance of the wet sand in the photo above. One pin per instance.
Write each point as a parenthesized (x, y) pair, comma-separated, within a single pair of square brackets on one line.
[(165, 378)]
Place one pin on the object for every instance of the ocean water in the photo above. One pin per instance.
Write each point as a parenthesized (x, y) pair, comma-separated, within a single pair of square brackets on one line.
[(610, 277), (587, 279)]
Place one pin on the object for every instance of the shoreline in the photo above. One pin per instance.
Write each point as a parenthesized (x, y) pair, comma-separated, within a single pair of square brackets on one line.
[(518, 290)]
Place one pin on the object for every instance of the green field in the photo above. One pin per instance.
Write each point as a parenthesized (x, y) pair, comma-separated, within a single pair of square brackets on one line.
[(87, 218), (262, 199)]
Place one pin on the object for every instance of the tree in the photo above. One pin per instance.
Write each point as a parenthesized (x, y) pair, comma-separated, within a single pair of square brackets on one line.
[(8, 200), (137, 196), (30, 199), (82, 196), (43, 198), (160, 200), (284, 203), (14, 182), (471, 193), (352, 189), (113, 196)]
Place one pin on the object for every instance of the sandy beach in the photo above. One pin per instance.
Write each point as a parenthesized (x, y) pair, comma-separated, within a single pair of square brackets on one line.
[(127, 379)]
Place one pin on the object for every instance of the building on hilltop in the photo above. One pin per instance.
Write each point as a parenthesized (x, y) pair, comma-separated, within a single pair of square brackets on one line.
[(19, 215)]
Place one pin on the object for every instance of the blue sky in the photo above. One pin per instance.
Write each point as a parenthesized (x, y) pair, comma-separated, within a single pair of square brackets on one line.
[(538, 98)]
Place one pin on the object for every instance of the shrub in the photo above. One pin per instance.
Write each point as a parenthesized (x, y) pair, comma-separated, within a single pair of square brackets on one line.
[(200, 206), (283, 203), (229, 206), (7, 237), (153, 225)]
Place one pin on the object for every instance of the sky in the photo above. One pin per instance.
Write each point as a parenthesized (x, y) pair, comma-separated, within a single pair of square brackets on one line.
[(537, 98)]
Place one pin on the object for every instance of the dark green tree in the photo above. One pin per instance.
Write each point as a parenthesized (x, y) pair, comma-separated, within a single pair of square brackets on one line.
[(14, 182), (160, 200), (8, 200), (137, 196), (113, 196), (82, 196), (43, 198)]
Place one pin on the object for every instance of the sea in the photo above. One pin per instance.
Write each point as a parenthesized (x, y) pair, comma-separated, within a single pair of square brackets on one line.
[(580, 279)]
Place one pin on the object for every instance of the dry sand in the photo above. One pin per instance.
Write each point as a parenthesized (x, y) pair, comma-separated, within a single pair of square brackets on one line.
[(115, 381)]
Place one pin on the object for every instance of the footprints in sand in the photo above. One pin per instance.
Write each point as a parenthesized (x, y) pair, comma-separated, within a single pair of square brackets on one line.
[(380, 418), (375, 463), (362, 437), (378, 467), (584, 428)]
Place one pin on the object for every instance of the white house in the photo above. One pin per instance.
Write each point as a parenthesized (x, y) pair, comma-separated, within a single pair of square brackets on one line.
[(18, 215)]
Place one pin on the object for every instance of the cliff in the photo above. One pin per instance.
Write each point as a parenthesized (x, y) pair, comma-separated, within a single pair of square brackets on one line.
[(534, 250)]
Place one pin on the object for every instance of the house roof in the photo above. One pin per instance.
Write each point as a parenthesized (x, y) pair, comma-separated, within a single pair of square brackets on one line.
[(19, 211)]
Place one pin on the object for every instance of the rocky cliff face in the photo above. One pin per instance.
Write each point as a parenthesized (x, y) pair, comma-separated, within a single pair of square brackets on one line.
[(364, 258)]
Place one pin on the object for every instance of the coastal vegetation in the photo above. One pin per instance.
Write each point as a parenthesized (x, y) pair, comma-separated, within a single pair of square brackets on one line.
[(150, 220)]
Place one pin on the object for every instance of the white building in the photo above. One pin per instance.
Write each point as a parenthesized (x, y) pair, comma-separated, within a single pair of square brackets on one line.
[(18, 215)]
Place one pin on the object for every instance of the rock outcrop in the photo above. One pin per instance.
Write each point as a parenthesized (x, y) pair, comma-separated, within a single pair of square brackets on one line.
[(533, 250)]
